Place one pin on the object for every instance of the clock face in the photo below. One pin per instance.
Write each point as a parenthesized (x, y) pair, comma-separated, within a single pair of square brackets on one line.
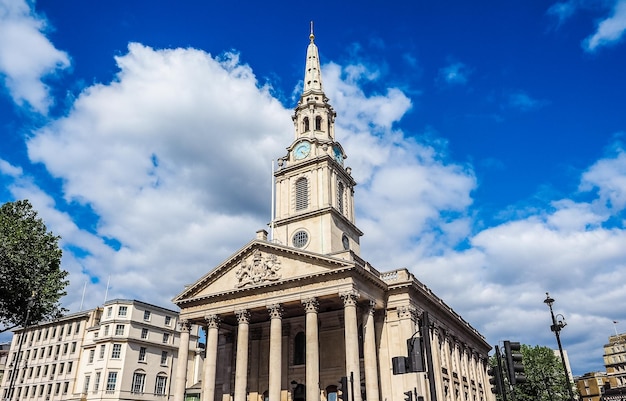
[(338, 155), (302, 150)]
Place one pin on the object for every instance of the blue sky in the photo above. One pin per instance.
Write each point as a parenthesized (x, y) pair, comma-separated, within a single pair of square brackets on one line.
[(487, 141)]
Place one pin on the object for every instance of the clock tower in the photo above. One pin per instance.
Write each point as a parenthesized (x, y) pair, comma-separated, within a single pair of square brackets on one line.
[(314, 190)]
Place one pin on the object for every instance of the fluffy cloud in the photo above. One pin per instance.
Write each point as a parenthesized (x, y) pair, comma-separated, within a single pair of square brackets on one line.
[(610, 30), (26, 55), (174, 160), (454, 74)]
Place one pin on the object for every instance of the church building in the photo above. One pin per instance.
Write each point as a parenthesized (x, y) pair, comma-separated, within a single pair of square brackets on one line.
[(288, 317)]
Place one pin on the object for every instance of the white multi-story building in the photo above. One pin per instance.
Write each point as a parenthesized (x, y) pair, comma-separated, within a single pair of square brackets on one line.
[(125, 350)]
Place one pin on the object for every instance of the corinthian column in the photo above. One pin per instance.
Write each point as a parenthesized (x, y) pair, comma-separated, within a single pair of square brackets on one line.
[(352, 342), (210, 360), (276, 314), (181, 364), (369, 355), (241, 368), (312, 350)]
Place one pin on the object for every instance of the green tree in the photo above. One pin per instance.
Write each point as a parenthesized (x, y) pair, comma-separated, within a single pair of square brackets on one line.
[(31, 279), (545, 377)]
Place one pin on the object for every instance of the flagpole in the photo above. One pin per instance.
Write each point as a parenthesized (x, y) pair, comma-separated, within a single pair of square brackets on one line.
[(615, 326)]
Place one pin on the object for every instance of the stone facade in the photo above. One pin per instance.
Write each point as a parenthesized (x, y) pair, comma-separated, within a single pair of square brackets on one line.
[(288, 315)]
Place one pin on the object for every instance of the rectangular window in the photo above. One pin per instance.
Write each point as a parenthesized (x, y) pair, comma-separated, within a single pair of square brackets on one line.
[(109, 311), (92, 353), (122, 311), (102, 349), (35, 353), (41, 388), (164, 358), (57, 388), (69, 329), (27, 354), (106, 330), (144, 333), (38, 336), (38, 371), (86, 384), (53, 369), (119, 330), (168, 320), (73, 349), (117, 351), (159, 388), (61, 331), (45, 336), (41, 352), (146, 315), (66, 386), (45, 370), (142, 354), (50, 350), (54, 332), (61, 367), (96, 384), (30, 372), (166, 338), (111, 381), (65, 346), (139, 379), (69, 367), (57, 350)]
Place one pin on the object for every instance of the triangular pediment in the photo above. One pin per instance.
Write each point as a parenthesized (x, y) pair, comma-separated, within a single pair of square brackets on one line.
[(259, 264)]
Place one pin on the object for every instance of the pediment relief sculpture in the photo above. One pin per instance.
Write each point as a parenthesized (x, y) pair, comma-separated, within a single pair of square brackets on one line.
[(258, 269)]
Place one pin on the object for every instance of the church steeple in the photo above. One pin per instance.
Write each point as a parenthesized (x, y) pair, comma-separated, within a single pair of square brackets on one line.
[(312, 73), (314, 191), (314, 117)]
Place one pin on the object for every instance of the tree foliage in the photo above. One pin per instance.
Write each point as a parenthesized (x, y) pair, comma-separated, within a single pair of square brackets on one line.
[(546, 380), (31, 279)]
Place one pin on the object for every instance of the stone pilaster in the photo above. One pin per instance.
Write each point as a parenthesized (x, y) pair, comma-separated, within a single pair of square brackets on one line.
[(275, 368), (181, 364), (370, 358), (311, 306), (241, 364), (210, 360)]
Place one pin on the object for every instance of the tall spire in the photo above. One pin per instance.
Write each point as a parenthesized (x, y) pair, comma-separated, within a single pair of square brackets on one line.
[(312, 74)]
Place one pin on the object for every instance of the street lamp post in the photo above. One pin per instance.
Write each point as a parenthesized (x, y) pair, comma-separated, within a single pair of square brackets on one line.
[(556, 328)]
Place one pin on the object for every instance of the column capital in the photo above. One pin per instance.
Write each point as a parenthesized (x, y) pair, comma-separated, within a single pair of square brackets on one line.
[(350, 298), (407, 311), (212, 321), (275, 311), (370, 307), (185, 325), (311, 305), (243, 316)]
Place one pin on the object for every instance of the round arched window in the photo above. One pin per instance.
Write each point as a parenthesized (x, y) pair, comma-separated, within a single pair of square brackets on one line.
[(300, 239), (346, 242)]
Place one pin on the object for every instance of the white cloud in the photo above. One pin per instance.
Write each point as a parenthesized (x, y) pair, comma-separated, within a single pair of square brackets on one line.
[(174, 158), (522, 101), (564, 10), (608, 177), (610, 30), (26, 55), (454, 74)]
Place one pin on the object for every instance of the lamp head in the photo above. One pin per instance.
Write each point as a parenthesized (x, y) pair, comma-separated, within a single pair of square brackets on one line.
[(548, 301)]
